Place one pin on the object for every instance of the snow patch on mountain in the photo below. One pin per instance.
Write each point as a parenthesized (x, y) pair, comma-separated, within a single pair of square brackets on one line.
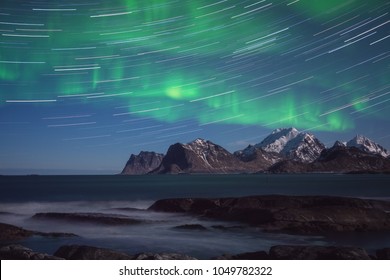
[(203, 149), (278, 139), (295, 145), (340, 144), (367, 145)]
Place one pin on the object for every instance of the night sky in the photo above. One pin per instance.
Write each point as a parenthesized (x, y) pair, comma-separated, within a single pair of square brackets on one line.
[(83, 84)]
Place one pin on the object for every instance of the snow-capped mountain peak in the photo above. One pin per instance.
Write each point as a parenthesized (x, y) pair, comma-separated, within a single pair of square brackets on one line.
[(206, 150), (284, 150), (340, 144), (367, 145), (285, 130), (278, 139), (199, 142), (291, 143)]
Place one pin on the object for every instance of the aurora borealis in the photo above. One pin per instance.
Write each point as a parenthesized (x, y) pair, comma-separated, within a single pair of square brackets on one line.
[(84, 84)]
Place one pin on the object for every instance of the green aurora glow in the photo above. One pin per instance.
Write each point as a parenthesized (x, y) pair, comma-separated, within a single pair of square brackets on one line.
[(210, 63)]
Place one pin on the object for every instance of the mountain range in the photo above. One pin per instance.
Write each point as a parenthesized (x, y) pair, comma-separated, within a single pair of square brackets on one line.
[(285, 150)]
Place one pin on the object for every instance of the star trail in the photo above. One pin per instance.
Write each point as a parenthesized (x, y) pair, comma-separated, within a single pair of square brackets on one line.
[(83, 85)]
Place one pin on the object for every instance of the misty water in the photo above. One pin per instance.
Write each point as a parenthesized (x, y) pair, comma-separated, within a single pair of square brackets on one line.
[(23, 196)]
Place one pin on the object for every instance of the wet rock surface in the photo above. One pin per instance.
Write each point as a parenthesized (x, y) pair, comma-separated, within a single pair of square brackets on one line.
[(286, 252), (80, 252), (258, 255), (280, 252), (191, 227), (162, 256), (99, 218), (18, 252), (12, 233), (302, 252), (290, 214), (383, 254)]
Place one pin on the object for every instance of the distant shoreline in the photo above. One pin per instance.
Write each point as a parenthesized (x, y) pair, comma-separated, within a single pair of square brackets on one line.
[(204, 174)]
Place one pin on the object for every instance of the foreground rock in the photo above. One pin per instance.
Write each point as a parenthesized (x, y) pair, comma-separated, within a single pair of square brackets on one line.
[(383, 254), (258, 255), (18, 252), (285, 252), (280, 252), (191, 227), (292, 214), (162, 256), (99, 218), (78, 252), (294, 252), (12, 233)]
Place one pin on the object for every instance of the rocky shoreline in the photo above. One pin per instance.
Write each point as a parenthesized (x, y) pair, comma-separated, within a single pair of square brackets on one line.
[(303, 215), (288, 214), (280, 252)]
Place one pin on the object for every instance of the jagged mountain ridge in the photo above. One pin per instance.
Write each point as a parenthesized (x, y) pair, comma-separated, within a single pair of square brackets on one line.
[(339, 158), (256, 159), (292, 144), (142, 163), (284, 150), (363, 143), (199, 156)]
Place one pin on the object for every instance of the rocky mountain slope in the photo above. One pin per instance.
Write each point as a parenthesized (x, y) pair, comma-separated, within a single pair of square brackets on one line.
[(367, 145), (285, 150), (292, 144), (142, 163), (199, 156), (256, 159), (339, 158)]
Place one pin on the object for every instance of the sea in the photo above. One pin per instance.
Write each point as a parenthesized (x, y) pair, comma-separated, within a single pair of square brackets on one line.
[(23, 196)]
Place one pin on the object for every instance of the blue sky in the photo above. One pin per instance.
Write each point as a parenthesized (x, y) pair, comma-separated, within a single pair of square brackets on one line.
[(82, 86)]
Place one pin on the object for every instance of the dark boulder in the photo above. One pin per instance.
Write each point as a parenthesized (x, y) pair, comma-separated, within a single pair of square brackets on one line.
[(18, 252), (227, 228), (191, 227), (243, 215), (383, 254), (259, 255), (99, 218), (162, 256), (293, 214), (55, 234), (79, 252), (10, 232), (286, 252), (186, 205)]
